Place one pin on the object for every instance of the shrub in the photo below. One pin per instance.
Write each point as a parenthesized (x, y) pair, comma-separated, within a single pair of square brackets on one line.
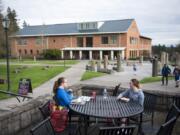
[(52, 54)]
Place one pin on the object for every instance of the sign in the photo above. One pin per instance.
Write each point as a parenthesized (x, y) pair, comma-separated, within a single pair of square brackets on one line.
[(25, 86)]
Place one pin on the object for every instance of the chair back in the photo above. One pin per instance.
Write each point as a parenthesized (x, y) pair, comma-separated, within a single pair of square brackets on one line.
[(127, 130), (149, 103), (55, 100), (174, 111), (115, 91), (167, 128), (43, 128), (45, 109)]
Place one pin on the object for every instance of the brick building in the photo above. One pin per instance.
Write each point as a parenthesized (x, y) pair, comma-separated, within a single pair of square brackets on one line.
[(87, 40)]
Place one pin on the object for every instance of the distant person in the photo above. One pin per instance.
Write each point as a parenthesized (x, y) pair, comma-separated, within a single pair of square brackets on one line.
[(134, 93), (176, 73), (134, 68), (165, 72), (62, 94)]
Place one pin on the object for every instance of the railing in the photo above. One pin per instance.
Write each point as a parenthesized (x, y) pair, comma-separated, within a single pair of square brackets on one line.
[(16, 95)]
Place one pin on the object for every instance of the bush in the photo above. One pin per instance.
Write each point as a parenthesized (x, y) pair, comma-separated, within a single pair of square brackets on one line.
[(52, 54)]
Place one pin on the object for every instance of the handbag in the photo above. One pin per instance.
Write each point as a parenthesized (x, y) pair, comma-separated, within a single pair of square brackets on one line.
[(59, 118)]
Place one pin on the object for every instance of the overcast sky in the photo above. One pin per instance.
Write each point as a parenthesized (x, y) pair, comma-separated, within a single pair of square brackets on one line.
[(158, 19)]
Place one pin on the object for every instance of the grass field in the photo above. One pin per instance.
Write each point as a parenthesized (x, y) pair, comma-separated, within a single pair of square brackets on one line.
[(35, 73), (90, 74), (153, 79), (31, 61)]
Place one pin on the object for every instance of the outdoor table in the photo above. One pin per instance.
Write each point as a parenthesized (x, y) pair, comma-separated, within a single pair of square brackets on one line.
[(107, 108)]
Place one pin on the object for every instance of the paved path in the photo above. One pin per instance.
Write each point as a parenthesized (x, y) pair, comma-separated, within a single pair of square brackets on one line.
[(73, 75), (124, 78)]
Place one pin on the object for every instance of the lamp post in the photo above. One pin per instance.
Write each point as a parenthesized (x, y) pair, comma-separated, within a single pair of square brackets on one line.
[(6, 23)]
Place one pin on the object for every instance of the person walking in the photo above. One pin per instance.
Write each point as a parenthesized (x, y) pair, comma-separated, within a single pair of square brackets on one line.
[(134, 68), (176, 73), (165, 72)]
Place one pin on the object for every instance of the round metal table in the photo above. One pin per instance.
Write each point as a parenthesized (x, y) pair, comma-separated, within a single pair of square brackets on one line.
[(107, 108)]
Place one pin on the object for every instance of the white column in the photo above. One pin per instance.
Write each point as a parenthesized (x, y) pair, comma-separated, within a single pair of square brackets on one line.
[(100, 54), (80, 55), (90, 55), (122, 54), (71, 54), (112, 55), (62, 54)]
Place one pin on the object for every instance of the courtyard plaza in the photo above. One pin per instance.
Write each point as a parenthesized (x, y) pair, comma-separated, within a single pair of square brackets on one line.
[(74, 74)]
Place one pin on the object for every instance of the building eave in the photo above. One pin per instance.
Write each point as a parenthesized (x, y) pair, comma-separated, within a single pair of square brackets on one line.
[(93, 48), (69, 34)]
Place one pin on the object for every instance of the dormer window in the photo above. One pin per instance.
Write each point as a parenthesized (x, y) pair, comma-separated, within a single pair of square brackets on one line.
[(87, 26)]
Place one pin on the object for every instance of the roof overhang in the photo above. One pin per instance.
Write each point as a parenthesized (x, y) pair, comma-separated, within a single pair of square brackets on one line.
[(145, 37), (70, 34), (93, 49)]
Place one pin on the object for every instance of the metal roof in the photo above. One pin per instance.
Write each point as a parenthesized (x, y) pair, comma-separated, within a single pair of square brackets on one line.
[(112, 26)]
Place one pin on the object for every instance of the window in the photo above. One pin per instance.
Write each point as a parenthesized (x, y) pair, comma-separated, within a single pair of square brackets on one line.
[(39, 41), (37, 51), (133, 40), (25, 51), (104, 40), (19, 51), (113, 39), (31, 51), (80, 41), (21, 41)]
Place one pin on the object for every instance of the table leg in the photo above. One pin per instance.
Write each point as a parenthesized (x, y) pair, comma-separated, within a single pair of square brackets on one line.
[(140, 132)]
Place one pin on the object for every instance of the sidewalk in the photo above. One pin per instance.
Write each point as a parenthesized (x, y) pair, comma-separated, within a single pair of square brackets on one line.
[(73, 75)]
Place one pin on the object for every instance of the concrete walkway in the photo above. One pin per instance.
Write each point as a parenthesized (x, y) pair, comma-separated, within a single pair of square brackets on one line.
[(124, 78), (73, 75)]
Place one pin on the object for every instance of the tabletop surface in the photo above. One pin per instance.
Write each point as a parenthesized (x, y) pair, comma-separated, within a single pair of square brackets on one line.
[(107, 108)]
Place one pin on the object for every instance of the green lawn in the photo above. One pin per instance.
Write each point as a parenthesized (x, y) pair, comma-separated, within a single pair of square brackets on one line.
[(153, 79), (31, 61), (35, 73), (90, 74)]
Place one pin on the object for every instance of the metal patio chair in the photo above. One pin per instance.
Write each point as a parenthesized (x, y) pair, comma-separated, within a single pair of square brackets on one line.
[(167, 128), (45, 109), (126, 130), (43, 128)]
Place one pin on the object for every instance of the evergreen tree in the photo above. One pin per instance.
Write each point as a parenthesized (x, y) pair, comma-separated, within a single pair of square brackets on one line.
[(25, 24), (13, 27), (2, 47)]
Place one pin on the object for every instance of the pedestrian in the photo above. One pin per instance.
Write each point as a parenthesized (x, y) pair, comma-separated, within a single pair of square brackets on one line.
[(176, 73), (134, 68), (165, 72)]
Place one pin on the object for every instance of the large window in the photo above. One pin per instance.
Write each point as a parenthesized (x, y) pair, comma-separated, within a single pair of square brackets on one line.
[(133, 40), (21, 41), (42, 41), (39, 41), (113, 39), (104, 40), (80, 41)]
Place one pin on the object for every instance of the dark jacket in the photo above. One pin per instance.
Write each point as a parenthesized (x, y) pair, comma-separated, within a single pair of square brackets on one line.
[(165, 71), (176, 73)]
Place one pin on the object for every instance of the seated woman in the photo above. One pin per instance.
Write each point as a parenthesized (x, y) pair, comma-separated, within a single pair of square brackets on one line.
[(62, 95), (135, 93)]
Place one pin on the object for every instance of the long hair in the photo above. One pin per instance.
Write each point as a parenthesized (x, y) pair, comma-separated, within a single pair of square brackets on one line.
[(57, 84), (135, 83)]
